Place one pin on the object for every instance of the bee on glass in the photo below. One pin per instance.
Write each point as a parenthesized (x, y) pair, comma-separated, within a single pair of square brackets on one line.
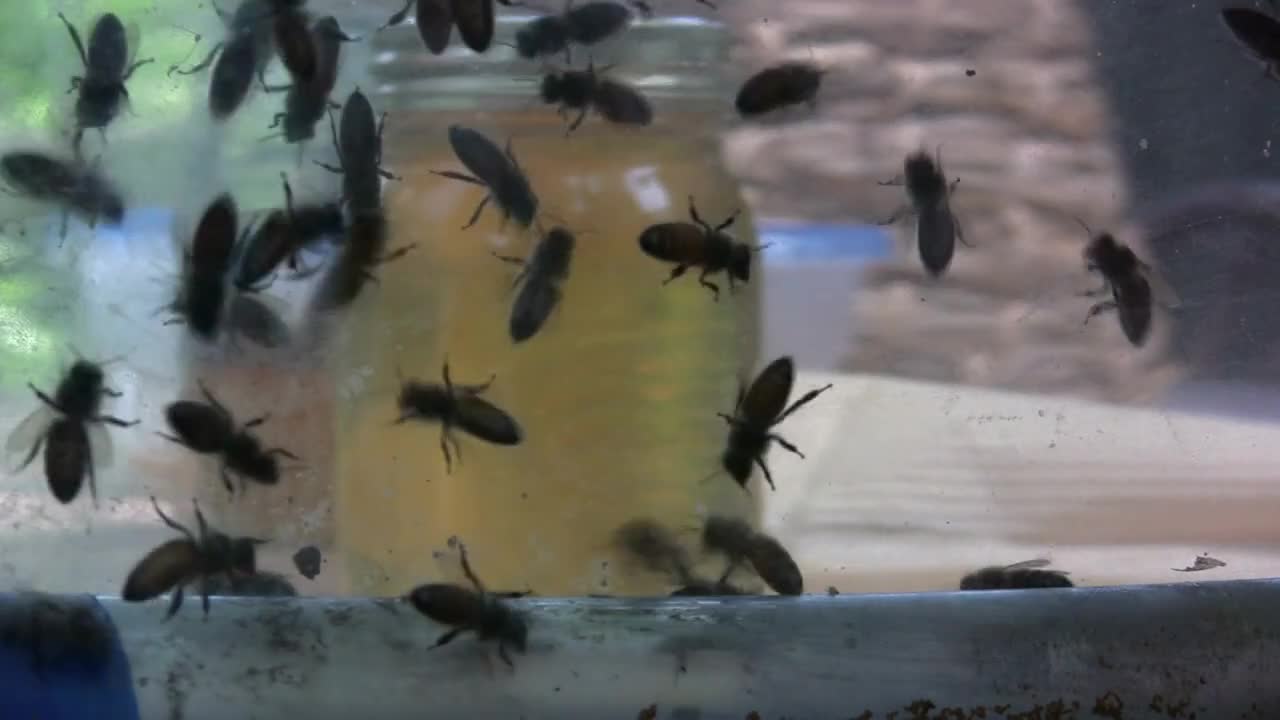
[(742, 544), (475, 610), (697, 244), (543, 275), (494, 169), (208, 428), (191, 558), (1259, 33), (1026, 575), (358, 143), (759, 409), (306, 101), (281, 237), (206, 266), (584, 89), (71, 185), (107, 68), (69, 426), (1128, 280), (363, 250), (457, 405), (929, 195), (780, 86), (435, 19), (243, 54), (293, 40), (585, 24)]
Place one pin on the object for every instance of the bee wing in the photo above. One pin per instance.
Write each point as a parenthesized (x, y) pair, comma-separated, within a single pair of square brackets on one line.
[(435, 22), (622, 104), (533, 305), (767, 396), (100, 445), (258, 318), (23, 438), (1161, 291), (1029, 564), (487, 421), (160, 570), (133, 38)]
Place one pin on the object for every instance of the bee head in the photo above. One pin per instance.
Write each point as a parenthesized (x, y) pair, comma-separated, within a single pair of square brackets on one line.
[(738, 464), (740, 262)]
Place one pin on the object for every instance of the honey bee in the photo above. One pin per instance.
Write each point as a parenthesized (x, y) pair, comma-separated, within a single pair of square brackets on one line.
[(306, 100), (457, 405), (475, 610), (697, 244), (69, 428), (741, 543), (758, 410), (494, 169), (543, 274), (191, 558), (358, 142), (1126, 277), (776, 87), (1024, 575), (201, 303), (929, 195), (582, 90), (107, 68), (74, 186)]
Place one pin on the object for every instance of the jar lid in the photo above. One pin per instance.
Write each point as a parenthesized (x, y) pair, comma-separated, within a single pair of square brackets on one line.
[(679, 59)]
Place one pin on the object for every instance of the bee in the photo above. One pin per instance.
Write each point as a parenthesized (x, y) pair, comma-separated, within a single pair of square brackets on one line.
[(543, 275), (698, 244), (459, 405), (306, 101), (359, 148), (494, 169), (1126, 278), (282, 236), (208, 428), (101, 89), (585, 24), (191, 558), (206, 265), (68, 426), (1025, 575), (740, 543), (584, 89), (758, 410), (242, 55), (773, 88), (929, 195), (474, 610), (73, 186), (1259, 33)]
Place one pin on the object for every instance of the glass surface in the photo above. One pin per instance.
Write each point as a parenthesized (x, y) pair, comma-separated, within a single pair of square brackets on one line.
[(975, 419)]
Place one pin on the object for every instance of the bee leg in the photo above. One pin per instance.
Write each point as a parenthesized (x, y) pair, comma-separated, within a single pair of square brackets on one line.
[(275, 121), (204, 390), (676, 272), (895, 181), (783, 442), (1095, 293), (582, 115), (330, 168), (204, 596), (478, 387), (1099, 308), (398, 17), (110, 392), (45, 398), (729, 220), (804, 399), (35, 450), (728, 420), (444, 448), (175, 602), (174, 524), (75, 84), (466, 569), (715, 289), (93, 479), (693, 215), (502, 653), (75, 38), (226, 480), (479, 209), (200, 65), (113, 420), (129, 72), (960, 232), (256, 421), (396, 254), (448, 637), (896, 216), (768, 477), (283, 452)]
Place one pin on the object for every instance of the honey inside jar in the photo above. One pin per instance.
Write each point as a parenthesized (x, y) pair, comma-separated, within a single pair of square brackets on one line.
[(617, 394)]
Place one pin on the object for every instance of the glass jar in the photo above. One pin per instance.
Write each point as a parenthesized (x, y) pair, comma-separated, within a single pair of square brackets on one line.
[(617, 394)]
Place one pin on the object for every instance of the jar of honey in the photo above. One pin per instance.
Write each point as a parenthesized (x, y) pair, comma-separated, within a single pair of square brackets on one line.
[(616, 395)]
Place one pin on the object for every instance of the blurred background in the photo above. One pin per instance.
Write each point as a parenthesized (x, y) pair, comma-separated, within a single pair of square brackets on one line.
[(975, 420)]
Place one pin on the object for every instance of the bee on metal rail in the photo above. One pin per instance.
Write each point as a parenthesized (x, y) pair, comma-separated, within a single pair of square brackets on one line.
[(282, 236), (494, 169), (929, 196), (306, 101), (206, 265), (1259, 33), (68, 426), (697, 244), (191, 558), (1128, 280), (208, 428), (71, 185), (543, 274), (101, 89), (436, 18), (742, 544), (759, 409), (780, 86), (358, 143), (582, 90), (457, 405), (1025, 575), (585, 24), (475, 610)]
